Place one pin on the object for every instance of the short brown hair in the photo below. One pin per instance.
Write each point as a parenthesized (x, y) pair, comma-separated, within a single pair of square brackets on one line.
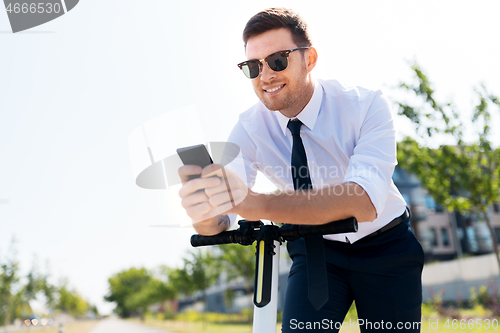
[(276, 18)]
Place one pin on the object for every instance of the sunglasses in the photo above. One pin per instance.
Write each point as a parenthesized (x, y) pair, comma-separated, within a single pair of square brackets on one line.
[(277, 61)]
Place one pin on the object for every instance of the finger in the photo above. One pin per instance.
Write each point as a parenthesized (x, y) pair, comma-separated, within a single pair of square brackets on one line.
[(200, 212), (219, 199), (197, 184), (187, 171), (194, 199), (212, 170), (207, 216), (224, 208), (227, 178), (235, 197), (222, 187)]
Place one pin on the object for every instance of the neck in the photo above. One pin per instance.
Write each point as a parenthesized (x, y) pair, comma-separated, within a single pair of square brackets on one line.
[(301, 101)]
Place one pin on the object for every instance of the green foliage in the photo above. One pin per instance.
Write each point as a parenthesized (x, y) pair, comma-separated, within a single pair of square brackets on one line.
[(125, 290), (229, 297), (17, 291), (202, 269), (212, 317), (458, 177), (484, 301), (462, 177), (165, 289), (238, 261), (71, 302), (429, 116), (9, 278), (155, 291), (134, 290), (181, 282), (428, 310)]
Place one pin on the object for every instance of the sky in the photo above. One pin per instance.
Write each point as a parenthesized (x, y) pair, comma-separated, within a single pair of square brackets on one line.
[(74, 89)]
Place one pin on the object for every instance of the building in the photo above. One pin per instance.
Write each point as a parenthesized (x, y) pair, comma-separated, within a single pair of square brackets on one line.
[(445, 235)]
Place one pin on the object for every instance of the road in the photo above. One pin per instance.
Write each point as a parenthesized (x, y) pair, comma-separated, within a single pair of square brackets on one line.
[(114, 325)]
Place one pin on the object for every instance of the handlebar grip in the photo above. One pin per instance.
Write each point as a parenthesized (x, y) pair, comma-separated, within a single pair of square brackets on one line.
[(289, 233), (336, 227), (225, 237)]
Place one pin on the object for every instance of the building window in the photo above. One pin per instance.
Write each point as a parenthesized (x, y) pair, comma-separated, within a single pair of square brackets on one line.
[(430, 203), (497, 233), (496, 209), (434, 239), (439, 208), (445, 237)]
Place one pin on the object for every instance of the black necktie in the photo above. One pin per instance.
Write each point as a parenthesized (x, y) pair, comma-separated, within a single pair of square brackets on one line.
[(316, 264)]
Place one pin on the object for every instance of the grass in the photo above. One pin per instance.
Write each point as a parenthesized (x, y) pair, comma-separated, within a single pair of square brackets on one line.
[(433, 321), (76, 327), (428, 326), (196, 326)]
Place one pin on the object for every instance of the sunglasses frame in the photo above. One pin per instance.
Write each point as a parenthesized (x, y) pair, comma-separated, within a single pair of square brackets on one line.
[(286, 53)]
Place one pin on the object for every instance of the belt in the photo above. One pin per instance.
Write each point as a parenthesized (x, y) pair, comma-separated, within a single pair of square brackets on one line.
[(400, 219)]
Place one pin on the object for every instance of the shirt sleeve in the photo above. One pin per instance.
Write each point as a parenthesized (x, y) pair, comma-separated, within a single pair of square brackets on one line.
[(244, 165), (246, 159), (374, 157)]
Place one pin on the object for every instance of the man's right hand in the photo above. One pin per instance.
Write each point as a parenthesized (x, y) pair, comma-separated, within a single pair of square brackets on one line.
[(196, 202)]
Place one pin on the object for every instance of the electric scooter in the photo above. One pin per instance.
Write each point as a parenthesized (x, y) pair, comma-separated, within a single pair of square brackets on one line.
[(269, 238)]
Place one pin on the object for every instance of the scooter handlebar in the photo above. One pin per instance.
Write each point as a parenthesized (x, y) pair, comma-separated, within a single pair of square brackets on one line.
[(288, 232)]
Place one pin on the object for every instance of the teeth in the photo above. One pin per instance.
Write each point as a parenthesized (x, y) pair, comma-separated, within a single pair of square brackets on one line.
[(274, 89)]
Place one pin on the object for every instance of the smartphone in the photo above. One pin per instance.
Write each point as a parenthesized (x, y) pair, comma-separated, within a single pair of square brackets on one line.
[(198, 155), (195, 155)]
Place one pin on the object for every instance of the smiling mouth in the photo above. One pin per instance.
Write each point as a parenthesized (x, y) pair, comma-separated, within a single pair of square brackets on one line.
[(274, 89)]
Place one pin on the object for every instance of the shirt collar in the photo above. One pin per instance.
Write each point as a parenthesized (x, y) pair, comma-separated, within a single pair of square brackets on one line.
[(309, 114)]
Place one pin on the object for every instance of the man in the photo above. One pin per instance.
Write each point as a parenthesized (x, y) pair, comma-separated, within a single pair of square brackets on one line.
[(348, 137)]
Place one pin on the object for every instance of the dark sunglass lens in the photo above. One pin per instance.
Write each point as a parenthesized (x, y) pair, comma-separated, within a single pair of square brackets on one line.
[(277, 62), (250, 69)]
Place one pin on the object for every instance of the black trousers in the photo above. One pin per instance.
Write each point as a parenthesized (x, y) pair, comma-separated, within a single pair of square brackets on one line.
[(381, 274)]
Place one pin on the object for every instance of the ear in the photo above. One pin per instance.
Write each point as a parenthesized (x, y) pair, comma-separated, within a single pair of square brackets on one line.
[(312, 59)]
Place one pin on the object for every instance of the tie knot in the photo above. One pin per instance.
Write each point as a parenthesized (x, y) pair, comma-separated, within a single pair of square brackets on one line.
[(294, 126)]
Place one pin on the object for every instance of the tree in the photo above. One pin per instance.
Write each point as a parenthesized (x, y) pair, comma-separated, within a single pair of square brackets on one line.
[(461, 176), (48, 290), (17, 291), (124, 286), (239, 261), (71, 302), (157, 290), (164, 288), (180, 281), (202, 270), (20, 305), (8, 280)]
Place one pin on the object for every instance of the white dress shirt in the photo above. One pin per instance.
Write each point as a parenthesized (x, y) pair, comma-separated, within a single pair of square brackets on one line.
[(348, 135)]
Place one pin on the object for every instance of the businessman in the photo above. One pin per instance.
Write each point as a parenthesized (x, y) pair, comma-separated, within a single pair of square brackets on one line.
[(331, 151)]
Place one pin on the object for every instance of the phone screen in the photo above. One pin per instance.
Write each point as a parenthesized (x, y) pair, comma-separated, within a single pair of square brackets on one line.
[(195, 155)]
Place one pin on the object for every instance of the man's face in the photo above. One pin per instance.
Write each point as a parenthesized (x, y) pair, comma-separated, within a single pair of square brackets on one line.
[(287, 91)]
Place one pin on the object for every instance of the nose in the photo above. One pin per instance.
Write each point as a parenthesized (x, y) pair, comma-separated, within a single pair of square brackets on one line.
[(267, 74)]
